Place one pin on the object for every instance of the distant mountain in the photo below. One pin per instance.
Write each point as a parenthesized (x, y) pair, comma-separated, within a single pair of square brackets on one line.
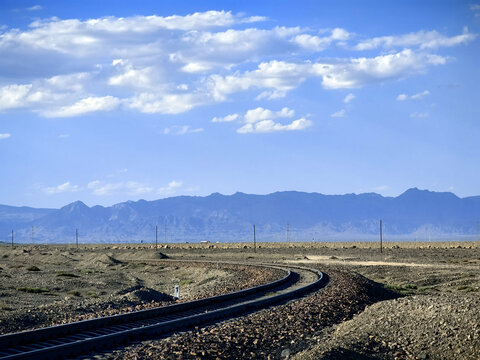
[(416, 213)]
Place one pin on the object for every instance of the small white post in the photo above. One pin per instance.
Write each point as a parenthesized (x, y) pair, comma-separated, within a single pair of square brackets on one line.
[(177, 292)]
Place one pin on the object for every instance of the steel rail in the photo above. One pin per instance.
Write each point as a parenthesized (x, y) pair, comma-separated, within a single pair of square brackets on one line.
[(73, 339)]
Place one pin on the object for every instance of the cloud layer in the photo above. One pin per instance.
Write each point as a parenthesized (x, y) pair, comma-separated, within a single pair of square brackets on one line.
[(172, 64)]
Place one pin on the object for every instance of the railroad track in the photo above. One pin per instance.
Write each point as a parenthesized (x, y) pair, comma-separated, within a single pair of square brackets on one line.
[(83, 337)]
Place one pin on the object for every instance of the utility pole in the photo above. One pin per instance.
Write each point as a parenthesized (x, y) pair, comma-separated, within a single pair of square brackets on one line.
[(288, 232), (381, 245), (254, 240), (165, 234), (12, 238), (76, 237), (32, 235), (156, 236)]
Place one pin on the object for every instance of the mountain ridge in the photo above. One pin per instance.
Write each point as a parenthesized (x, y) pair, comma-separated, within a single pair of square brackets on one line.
[(218, 217)]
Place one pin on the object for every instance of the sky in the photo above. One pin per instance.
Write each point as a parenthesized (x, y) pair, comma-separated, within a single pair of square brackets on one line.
[(109, 101)]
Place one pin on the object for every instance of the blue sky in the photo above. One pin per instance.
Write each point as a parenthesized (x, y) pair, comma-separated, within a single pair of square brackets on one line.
[(108, 101)]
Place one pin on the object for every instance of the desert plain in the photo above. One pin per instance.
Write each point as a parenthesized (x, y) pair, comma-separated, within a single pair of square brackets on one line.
[(413, 300)]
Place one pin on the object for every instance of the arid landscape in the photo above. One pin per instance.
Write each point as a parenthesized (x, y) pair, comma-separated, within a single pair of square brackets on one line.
[(412, 301)]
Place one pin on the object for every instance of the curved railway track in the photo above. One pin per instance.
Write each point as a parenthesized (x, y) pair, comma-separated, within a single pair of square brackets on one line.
[(73, 339)]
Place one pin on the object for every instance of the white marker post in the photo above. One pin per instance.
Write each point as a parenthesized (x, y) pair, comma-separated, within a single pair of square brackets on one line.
[(176, 294)]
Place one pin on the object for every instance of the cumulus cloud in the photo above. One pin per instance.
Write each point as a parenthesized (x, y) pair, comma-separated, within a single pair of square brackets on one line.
[(261, 120), (84, 106), (259, 114), (4, 136), (12, 96), (281, 76), (172, 64), (348, 98), (267, 126), (65, 187), (170, 189), (318, 43), (228, 118), (181, 130), (340, 113), (403, 97), (421, 39)]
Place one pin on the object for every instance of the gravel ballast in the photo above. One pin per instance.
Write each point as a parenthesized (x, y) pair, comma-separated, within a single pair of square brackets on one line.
[(273, 333)]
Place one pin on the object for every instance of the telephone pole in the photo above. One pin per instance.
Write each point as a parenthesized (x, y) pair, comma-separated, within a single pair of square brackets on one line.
[(288, 232), (381, 245), (165, 234), (32, 235), (254, 240), (12, 238), (76, 237), (156, 236)]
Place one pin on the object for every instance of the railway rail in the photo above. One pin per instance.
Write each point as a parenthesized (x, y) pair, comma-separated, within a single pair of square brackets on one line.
[(83, 337)]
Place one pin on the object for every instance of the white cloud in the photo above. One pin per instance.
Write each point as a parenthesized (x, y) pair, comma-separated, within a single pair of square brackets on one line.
[(348, 98), (283, 76), (267, 126), (151, 103), (134, 77), (181, 130), (172, 64), (419, 115), (63, 136), (101, 188), (4, 136), (339, 113), (258, 114), (228, 118), (317, 43), (422, 39), (403, 97), (13, 96), (35, 8), (170, 189), (420, 95), (65, 187), (84, 106), (261, 120)]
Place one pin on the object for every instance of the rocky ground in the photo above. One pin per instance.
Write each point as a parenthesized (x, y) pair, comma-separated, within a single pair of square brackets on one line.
[(421, 302), (269, 334), (46, 286)]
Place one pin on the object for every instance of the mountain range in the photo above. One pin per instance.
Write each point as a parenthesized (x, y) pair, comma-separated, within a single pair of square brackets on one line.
[(415, 214)]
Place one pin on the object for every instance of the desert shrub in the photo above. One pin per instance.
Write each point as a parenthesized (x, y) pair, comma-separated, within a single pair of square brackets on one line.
[(66, 274), (74, 293), (33, 268), (33, 290)]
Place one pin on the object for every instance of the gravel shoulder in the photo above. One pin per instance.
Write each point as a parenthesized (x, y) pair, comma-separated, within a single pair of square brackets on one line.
[(268, 334), (412, 327), (46, 286)]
